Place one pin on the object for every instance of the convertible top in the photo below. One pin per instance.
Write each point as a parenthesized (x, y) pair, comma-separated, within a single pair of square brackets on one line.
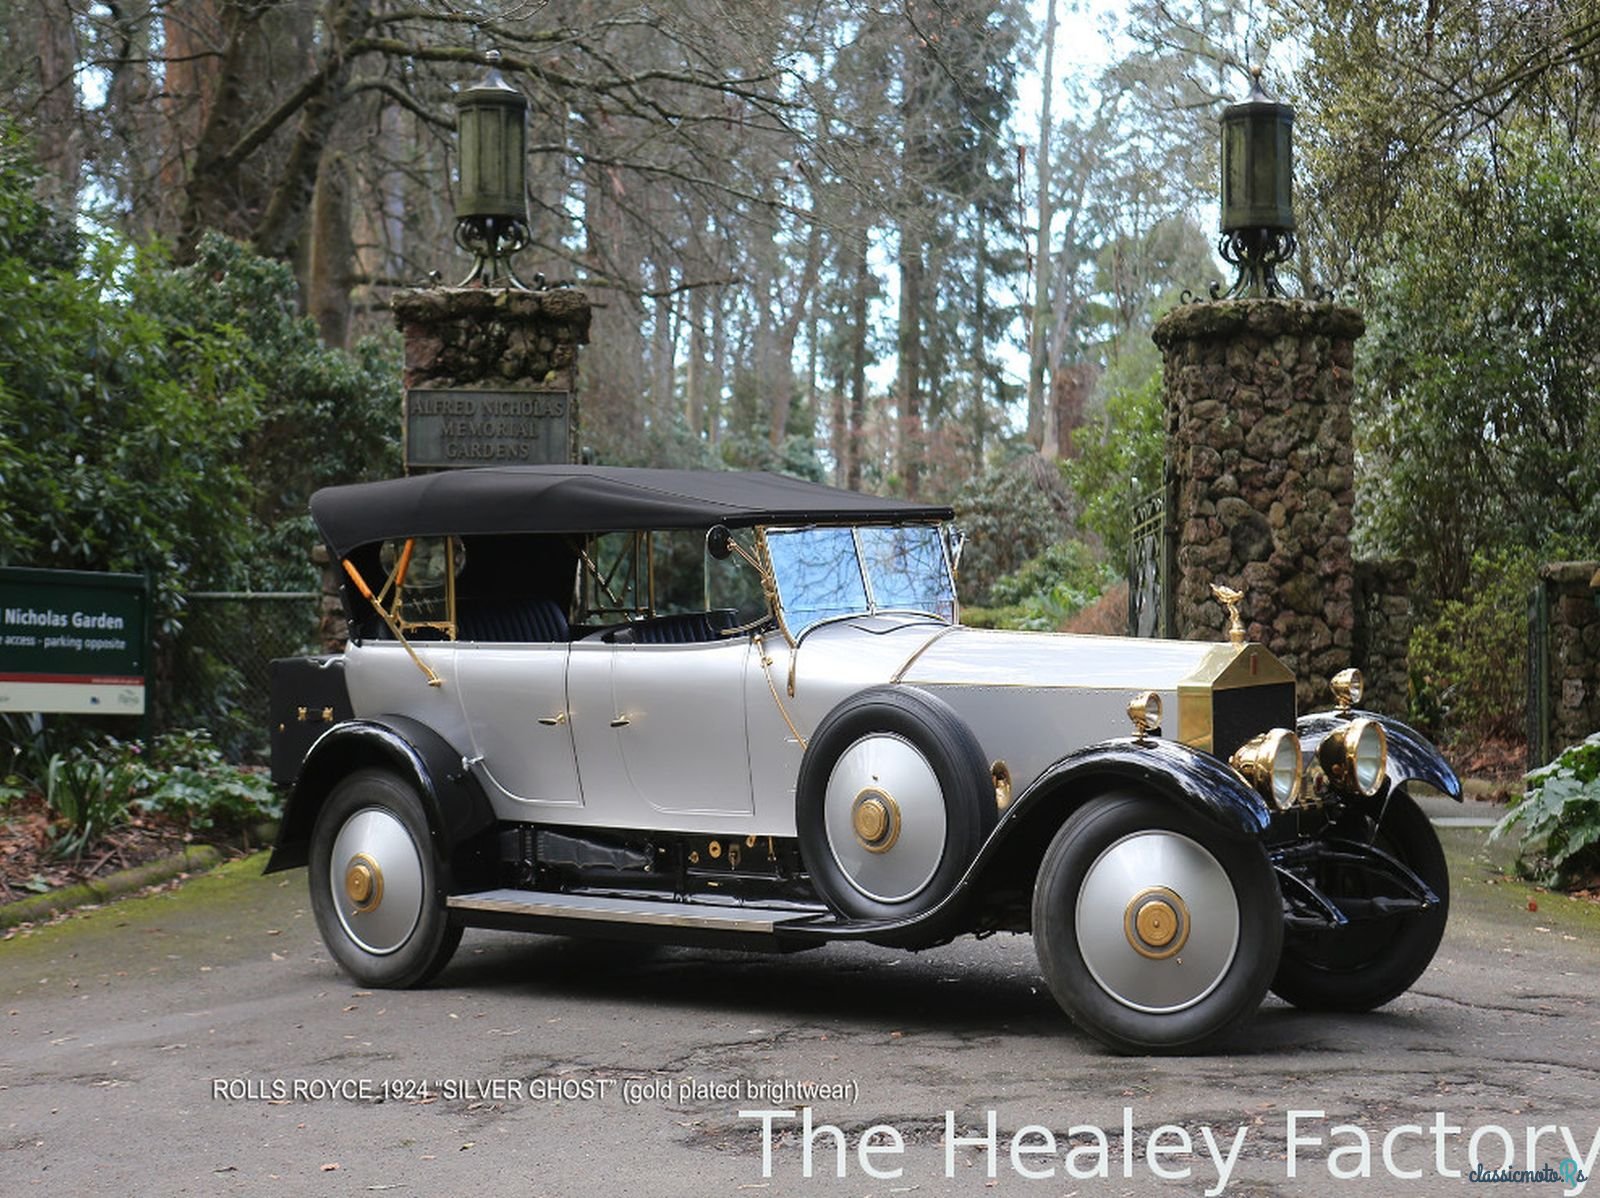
[(587, 499)]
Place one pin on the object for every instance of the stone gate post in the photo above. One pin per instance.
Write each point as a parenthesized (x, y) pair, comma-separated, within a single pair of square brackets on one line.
[(1258, 396), (491, 374)]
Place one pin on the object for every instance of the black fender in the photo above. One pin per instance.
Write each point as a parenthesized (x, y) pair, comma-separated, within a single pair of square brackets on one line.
[(1412, 757), (456, 806), (1010, 856), (1186, 775)]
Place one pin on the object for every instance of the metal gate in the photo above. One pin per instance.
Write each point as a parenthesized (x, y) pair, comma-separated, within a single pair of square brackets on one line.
[(1152, 565), (1538, 676), (220, 679)]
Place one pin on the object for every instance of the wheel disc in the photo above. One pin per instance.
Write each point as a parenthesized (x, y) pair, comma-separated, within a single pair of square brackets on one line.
[(1157, 921), (885, 817), (375, 878)]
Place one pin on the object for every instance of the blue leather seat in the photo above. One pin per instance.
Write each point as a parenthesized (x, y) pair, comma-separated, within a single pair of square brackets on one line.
[(511, 620)]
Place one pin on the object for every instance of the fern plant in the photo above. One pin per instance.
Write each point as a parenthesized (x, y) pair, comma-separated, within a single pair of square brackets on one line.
[(1558, 821)]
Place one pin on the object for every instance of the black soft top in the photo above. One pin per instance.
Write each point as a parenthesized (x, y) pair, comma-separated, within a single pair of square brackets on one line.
[(587, 499)]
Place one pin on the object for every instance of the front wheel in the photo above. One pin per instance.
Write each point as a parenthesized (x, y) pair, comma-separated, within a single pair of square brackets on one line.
[(1157, 930), (374, 883), (1370, 961), (892, 802)]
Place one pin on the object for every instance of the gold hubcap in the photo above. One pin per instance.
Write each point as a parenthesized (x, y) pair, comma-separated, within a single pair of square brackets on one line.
[(875, 816), (363, 883), (1156, 923)]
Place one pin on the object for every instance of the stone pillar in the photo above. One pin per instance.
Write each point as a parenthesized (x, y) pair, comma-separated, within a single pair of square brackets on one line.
[(495, 338), (1258, 397), (333, 629), (1572, 592), (1384, 619)]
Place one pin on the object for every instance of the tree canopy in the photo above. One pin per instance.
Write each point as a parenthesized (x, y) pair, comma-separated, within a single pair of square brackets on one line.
[(833, 240)]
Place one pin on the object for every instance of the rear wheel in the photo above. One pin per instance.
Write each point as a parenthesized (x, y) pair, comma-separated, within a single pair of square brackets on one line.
[(1157, 930), (375, 883), (1371, 961)]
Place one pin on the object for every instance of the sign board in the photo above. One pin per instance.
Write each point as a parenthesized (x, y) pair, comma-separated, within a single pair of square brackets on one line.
[(73, 641), (474, 426)]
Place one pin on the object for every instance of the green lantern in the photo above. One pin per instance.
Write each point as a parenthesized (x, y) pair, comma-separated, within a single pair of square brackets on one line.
[(491, 200), (1257, 200), (1257, 163)]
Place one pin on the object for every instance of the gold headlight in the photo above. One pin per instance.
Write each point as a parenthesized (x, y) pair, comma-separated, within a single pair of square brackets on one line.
[(1271, 763), (1356, 757), (1348, 686), (1145, 711)]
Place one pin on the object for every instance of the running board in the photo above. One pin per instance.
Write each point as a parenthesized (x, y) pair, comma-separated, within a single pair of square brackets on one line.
[(631, 918)]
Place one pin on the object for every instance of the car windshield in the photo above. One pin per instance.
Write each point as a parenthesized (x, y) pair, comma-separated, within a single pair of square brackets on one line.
[(823, 573)]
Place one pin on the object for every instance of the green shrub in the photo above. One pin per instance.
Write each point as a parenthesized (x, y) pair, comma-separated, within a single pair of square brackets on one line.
[(1120, 461), (1013, 512), (1468, 663), (1046, 591), (89, 795), (191, 781), (1558, 820)]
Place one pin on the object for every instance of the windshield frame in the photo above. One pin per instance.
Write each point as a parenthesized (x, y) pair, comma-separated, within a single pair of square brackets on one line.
[(872, 607)]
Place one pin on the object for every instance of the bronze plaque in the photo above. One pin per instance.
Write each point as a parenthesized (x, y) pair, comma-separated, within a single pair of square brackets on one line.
[(475, 426)]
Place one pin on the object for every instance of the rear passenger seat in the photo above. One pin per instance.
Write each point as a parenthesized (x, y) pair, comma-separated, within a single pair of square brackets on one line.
[(496, 618)]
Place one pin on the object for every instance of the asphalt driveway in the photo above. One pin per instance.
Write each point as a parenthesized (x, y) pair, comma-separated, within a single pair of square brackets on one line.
[(201, 1042)]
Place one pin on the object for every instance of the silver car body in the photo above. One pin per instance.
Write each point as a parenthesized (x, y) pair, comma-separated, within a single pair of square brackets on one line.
[(691, 738)]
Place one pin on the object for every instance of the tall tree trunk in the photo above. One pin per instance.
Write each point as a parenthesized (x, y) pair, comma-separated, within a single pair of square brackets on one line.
[(60, 154), (779, 371), (212, 196), (980, 343), (860, 283), (1040, 434), (331, 260), (284, 219), (718, 381), (694, 381), (909, 382), (663, 353)]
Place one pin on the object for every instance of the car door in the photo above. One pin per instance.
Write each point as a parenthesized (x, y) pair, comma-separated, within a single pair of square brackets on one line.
[(660, 729), (514, 698)]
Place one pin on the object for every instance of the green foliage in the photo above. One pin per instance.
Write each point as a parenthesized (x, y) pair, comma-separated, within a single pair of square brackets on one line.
[(1476, 421), (1468, 662), (27, 748), (1122, 464), (189, 779), (170, 421), (1011, 513), (90, 790), (115, 453), (1558, 821), (322, 416), (1046, 591), (89, 794)]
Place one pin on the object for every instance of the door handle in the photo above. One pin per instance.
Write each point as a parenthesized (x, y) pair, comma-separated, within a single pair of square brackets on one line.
[(551, 720), (621, 721)]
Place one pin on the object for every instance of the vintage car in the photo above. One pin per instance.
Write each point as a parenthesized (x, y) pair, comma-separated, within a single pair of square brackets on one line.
[(741, 710)]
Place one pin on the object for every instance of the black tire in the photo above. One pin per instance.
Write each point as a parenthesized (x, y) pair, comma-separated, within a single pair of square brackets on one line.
[(387, 926), (1130, 887), (912, 863), (1367, 964)]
